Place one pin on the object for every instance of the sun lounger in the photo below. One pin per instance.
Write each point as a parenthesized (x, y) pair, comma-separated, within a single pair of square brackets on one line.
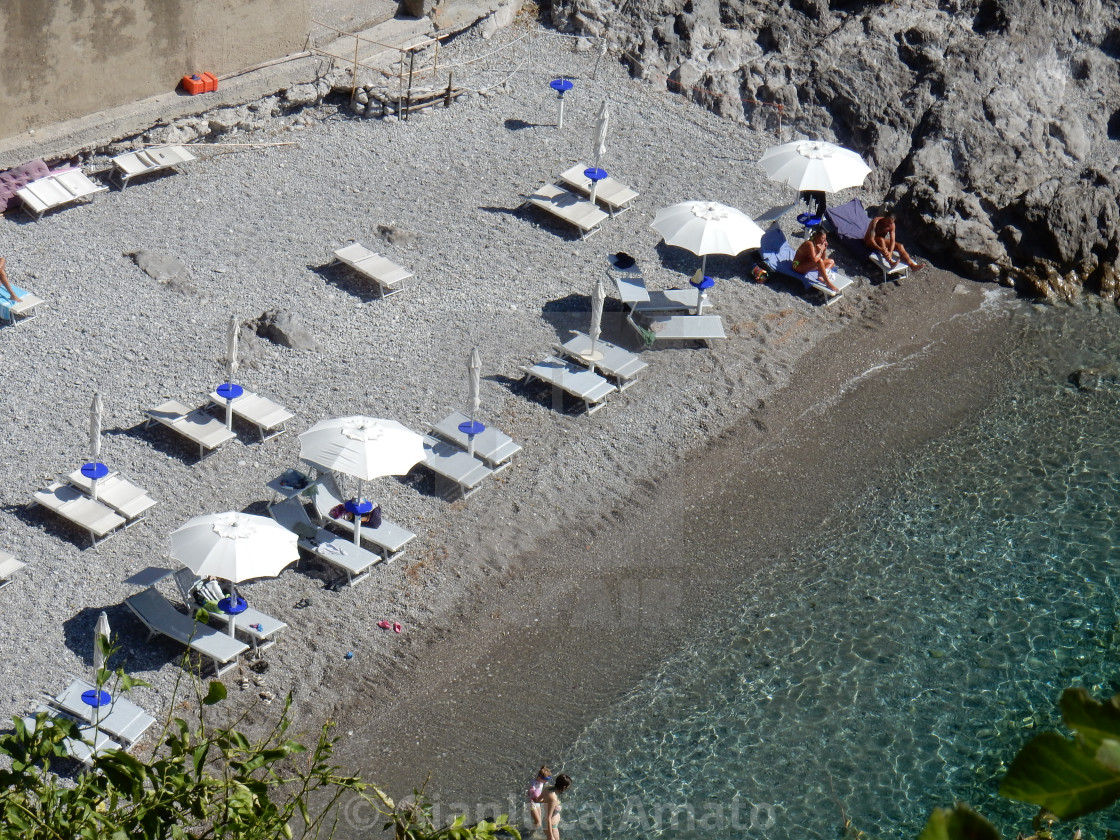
[(92, 743), (778, 254), (615, 195), (614, 361), (56, 190), (703, 328), (147, 161), (259, 627), (569, 207), (338, 551), (288, 484), (850, 222), (494, 447), (129, 500), (197, 425), (575, 379), (9, 566), (384, 272), (449, 461), (632, 291), (161, 618), (121, 719), (24, 310), (97, 519), (389, 537), (269, 417)]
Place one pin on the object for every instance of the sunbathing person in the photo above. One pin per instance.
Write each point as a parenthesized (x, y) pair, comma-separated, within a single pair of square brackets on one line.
[(4, 279), (812, 256), (880, 238)]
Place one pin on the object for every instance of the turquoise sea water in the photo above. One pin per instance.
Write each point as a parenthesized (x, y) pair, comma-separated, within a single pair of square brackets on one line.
[(901, 667)]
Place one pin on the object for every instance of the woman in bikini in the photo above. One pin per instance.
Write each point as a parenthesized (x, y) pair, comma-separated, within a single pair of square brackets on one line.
[(552, 806), (811, 257)]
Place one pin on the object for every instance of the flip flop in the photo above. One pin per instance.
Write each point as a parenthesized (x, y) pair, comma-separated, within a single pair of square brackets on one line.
[(396, 627), (384, 625)]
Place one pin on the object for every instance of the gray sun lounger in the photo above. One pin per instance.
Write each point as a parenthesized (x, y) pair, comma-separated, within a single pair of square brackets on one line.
[(93, 743), (161, 618), (614, 361), (9, 566), (391, 538), (333, 549), (614, 195), (97, 519), (575, 379), (260, 627), (57, 190), (148, 161), (384, 272), (569, 207), (494, 447), (129, 500), (269, 417), (121, 719), (445, 459), (632, 291), (680, 328), (196, 425)]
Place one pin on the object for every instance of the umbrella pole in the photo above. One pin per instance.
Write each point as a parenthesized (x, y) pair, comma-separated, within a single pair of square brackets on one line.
[(93, 489), (229, 414), (232, 626), (358, 518)]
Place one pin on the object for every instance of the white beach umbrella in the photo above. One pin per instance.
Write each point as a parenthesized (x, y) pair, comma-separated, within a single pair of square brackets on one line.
[(814, 165), (598, 297), (707, 227), (599, 133), (474, 390), (362, 447), (100, 631), (233, 331), (96, 412)]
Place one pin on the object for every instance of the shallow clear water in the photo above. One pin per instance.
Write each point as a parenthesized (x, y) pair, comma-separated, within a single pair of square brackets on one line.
[(901, 667)]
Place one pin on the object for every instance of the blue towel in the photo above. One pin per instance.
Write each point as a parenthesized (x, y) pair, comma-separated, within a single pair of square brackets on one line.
[(6, 301), (851, 221), (778, 254)]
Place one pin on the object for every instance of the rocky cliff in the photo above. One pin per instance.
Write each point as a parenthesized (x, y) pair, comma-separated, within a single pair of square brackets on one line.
[(993, 126)]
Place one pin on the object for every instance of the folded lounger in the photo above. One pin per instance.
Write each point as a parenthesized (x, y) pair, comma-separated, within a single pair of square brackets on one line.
[(389, 537), (9, 566), (632, 291), (269, 417), (56, 190), (97, 519), (445, 459), (160, 617), (384, 272), (258, 626), (93, 742), (197, 425), (494, 447), (24, 310), (614, 361), (778, 254), (129, 500), (614, 195), (121, 719), (850, 222), (147, 161), (569, 207), (575, 379), (338, 551)]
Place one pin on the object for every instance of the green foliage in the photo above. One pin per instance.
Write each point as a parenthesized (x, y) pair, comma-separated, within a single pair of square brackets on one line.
[(958, 823)]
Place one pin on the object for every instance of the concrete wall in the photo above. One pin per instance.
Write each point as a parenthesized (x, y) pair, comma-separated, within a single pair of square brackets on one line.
[(61, 59)]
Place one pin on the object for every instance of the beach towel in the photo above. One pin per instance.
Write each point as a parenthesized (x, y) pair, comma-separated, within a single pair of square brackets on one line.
[(6, 302)]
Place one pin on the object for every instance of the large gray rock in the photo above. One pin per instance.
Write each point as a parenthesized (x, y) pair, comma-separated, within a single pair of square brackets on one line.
[(283, 327), (992, 125)]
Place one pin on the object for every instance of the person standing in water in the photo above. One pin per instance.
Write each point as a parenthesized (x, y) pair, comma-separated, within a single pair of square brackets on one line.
[(553, 806), (536, 791)]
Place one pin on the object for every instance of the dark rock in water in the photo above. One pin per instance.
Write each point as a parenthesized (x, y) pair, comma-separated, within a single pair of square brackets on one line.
[(282, 327), (1106, 377), (992, 125), (397, 236)]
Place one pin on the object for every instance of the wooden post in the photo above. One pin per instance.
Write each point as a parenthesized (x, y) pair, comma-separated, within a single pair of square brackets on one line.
[(408, 96), (400, 86), (447, 101), (354, 85)]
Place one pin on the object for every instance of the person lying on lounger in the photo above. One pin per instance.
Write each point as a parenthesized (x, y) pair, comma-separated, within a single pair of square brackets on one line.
[(4, 279), (812, 256), (880, 237)]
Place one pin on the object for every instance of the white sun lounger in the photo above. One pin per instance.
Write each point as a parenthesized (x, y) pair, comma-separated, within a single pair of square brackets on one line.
[(269, 417), (161, 618), (93, 742), (445, 459), (615, 195), (9, 566), (632, 291), (569, 207), (129, 500), (260, 627), (197, 425), (390, 537), (384, 272), (681, 328), (336, 550), (56, 190), (615, 361), (22, 311), (494, 447), (147, 161), (121, 719), (97, 519), (575, 379)]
